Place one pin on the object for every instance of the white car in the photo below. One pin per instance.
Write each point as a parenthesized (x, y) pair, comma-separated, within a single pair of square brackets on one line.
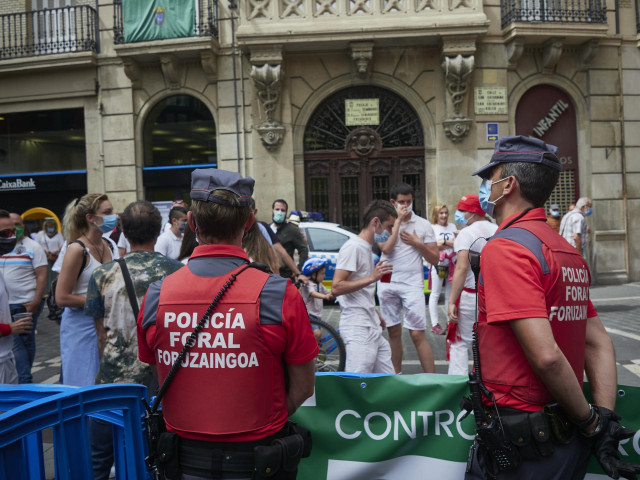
[(325, 240)]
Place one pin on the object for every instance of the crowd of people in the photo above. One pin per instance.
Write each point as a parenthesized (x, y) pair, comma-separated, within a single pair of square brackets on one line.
[(130, 306)]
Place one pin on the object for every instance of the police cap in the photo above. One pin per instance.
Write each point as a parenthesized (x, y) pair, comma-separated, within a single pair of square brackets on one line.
[(521, 149), (204, 181)]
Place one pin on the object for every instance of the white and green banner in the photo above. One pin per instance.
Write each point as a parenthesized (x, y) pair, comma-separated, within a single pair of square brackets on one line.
[(406, 427), (157, 19)]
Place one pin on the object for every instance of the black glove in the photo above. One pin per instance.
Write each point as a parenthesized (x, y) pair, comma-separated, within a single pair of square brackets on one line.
[(608, 434)]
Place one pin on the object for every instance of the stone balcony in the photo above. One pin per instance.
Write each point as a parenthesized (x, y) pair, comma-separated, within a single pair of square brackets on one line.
[(322, 24)]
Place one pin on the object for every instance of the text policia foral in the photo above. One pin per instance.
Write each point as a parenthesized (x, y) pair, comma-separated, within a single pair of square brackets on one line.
[(576, 290), (222, 340)]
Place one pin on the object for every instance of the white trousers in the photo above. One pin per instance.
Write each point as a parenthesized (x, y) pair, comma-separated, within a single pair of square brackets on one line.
[(459, 351), (434, 296), (367, 350)]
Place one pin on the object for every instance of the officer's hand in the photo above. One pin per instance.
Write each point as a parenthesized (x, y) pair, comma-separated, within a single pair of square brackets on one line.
[(453, 313), (303, 278), (605, 446)]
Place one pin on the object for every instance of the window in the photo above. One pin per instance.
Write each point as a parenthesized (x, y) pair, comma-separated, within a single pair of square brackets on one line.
[(321, 240)]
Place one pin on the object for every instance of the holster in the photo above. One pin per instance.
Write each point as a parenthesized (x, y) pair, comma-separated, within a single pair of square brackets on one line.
[(279, 461), (562, 430), (168, 458)]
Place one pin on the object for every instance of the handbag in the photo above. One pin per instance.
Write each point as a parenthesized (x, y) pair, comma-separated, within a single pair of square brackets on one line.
[(55, 310)]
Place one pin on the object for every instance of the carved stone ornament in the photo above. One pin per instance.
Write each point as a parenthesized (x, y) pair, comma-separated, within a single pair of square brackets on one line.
[(266, 79), (551, 52), (457, 128), (363, 141), (271, 134), (362, 54), (457, 70)]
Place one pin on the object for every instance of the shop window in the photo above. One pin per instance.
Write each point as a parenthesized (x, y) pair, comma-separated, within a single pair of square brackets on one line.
[(43, 141)]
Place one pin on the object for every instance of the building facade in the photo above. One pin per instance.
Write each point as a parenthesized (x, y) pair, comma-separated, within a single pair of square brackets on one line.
[(326, 103)]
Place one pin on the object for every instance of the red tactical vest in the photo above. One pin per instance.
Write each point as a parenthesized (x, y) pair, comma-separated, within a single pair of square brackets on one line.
[(566, 279), (230, 382)]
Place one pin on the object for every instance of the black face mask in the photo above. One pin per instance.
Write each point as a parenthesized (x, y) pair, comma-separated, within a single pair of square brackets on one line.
[(7, 244)]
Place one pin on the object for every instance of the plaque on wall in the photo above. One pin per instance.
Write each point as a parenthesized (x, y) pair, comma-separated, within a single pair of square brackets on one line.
[(361, 111), (490, 101)]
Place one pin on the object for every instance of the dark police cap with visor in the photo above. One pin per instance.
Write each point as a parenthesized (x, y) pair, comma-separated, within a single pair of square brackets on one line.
[(521, 149), (204, 181)]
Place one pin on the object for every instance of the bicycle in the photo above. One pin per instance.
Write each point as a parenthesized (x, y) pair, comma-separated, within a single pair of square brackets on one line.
[(333, 354)]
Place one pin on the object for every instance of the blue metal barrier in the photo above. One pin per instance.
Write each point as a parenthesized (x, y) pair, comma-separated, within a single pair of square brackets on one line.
[(29, 409)]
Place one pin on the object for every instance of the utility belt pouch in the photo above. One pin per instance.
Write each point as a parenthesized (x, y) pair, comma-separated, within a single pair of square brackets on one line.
[(562, 430), (531, 433), (267, 461), (168, 458), (292, 448)]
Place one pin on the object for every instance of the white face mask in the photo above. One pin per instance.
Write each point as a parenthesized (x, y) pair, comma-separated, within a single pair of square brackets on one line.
[(409, 207)]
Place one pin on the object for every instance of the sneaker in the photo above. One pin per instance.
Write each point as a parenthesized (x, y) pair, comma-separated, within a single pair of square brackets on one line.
[(438, 330)]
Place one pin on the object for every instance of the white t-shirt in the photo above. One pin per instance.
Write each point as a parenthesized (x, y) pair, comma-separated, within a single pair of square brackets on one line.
[(473, 238), (50, 243), (314, 305), (357, 308), (168, 244), (18, 269), (446, 233), (124, 243), (573, 223), (406, 259)]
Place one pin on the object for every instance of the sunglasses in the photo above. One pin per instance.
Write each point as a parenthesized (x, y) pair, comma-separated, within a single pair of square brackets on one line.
[(7, 233)]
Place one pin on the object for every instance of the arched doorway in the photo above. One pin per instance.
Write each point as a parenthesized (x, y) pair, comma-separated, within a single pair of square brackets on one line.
[(358, 143), (179, 135), (548, 113)]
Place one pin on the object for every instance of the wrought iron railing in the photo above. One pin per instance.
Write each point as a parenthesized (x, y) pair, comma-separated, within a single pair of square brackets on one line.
[(49, 32), (554, 11), (205, 22)]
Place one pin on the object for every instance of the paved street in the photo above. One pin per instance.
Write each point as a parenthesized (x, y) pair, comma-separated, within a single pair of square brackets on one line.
[(618, 306)]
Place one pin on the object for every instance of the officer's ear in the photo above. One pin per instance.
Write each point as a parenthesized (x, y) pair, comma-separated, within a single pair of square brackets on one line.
[(510, 185), (250, 222), (191, 221)]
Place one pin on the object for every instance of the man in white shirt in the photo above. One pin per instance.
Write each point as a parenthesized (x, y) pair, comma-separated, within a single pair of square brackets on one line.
[(8, 372), (354, 285), (573, 226), (411, 240), (25, 274), (170, 241)]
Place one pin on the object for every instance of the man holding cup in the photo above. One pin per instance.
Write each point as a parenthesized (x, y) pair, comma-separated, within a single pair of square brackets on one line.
[(402, 296)]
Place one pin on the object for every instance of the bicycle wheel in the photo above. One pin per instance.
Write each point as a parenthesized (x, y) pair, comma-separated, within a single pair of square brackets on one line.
[(333, 354)]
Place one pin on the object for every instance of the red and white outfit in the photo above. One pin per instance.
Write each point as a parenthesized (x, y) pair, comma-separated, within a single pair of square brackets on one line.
[(231, 385), (472, 238), (403, 297), (8, 372), (514, 287)]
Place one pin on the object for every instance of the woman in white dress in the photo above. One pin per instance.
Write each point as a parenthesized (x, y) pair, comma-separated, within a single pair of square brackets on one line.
[(439, 274), (85, 221)]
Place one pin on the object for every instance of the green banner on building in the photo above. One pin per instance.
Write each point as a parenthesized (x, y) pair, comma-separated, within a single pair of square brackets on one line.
[(406, 427), (157, 19)]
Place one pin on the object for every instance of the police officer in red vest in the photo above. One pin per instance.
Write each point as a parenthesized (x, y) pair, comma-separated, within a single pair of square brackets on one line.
[(537, 333), (226, 408)]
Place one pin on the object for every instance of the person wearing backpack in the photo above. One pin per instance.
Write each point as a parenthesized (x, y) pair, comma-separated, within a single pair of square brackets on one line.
[(85, 221)]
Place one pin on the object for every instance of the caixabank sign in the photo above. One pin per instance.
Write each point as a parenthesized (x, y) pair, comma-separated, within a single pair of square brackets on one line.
[(407, 427)]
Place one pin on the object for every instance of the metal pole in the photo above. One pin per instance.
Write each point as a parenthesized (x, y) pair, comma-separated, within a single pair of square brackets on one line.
[(232, 7)]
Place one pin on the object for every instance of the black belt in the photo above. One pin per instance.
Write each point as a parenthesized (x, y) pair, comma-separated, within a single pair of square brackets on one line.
[(217, 459)]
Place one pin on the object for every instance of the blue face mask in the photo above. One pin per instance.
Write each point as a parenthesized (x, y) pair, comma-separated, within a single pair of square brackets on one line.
[(182, 227), (381, 237), (109, 222), (51, 230), (589, 212), (459, 218), (485, 193)]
